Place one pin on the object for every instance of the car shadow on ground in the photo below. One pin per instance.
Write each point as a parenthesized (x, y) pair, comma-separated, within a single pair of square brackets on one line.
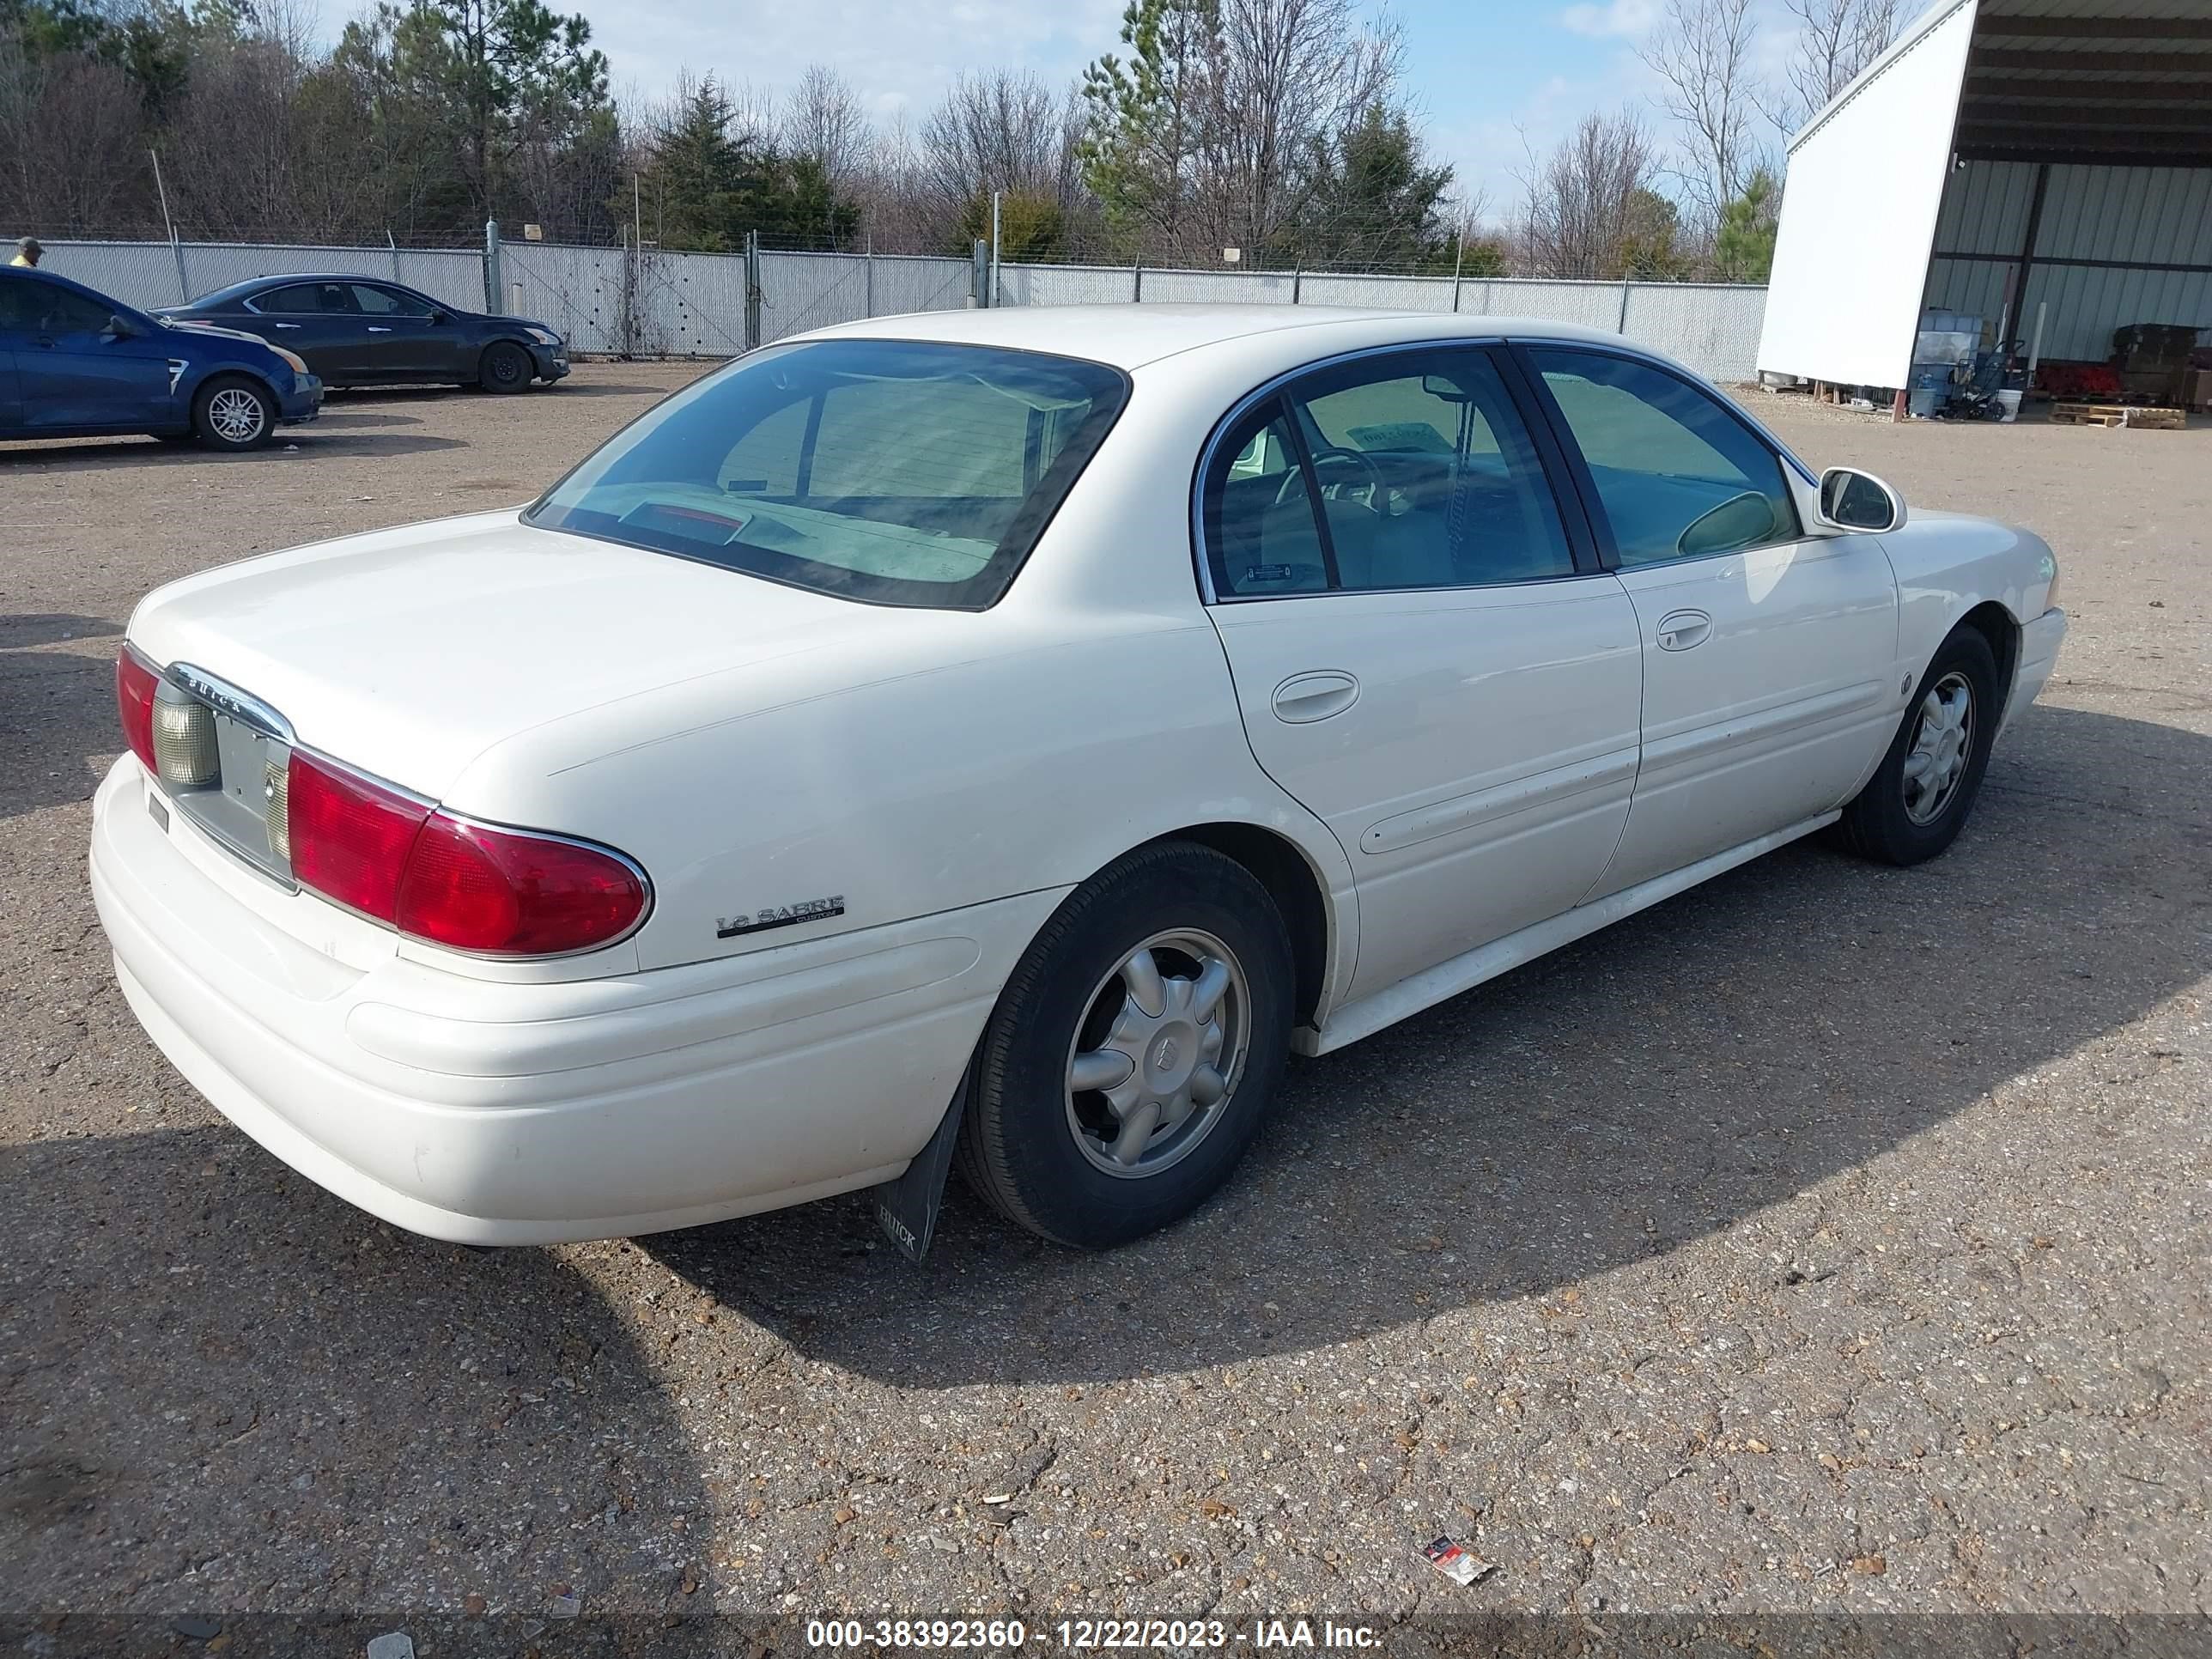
[(61, 706), (204, 1346), (1671, 1076)]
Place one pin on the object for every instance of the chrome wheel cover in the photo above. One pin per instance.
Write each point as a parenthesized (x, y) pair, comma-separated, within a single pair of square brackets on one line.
[(1942, 740), (1158, 1053), (236, 415)]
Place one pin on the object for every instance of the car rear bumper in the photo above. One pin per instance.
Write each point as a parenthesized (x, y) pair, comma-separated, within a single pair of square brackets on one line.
[(492, 1112), (2038, 653)]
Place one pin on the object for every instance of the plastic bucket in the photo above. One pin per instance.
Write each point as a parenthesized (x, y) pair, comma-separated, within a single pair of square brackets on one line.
[(2009, 405)]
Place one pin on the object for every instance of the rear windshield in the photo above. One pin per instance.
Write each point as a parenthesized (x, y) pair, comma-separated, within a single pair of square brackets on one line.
[(892, 471)]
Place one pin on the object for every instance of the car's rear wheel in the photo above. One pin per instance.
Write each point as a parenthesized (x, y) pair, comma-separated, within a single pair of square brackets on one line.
[(1134, 1049), (1918, 798), (505, 367), (233, 413)]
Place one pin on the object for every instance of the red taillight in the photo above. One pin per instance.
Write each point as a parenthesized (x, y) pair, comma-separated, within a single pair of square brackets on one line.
[(349, 834), (506, 893), (467, 886), (135, 683)]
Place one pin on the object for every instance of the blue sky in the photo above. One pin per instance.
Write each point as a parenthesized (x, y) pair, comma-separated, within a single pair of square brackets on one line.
[(1483, 72)]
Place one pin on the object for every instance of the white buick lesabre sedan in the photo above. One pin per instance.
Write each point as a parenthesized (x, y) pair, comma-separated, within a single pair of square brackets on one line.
[(1006, 736)]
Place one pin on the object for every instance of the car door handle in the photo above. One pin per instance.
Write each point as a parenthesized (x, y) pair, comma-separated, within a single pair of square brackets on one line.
[(1680, 629), (377, 328), (1304, 698), (284, 326)]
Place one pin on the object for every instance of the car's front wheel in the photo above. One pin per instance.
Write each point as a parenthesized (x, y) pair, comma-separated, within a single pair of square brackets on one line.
[(1134, 1049), (505, 367), (233, 413), (1917, 800)]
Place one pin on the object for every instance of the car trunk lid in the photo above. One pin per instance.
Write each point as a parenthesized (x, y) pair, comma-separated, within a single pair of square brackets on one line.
[(407, 654)]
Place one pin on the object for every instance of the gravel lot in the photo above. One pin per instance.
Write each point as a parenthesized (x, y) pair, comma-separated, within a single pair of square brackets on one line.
[(1831, 1238)]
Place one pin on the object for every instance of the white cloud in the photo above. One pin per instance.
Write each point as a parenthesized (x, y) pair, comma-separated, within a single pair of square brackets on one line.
[(896, 55), (1620, 18)]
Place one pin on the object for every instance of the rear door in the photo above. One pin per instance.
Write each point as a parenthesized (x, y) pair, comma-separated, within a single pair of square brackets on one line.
[(1769, 655), (318, 320), (1425, 651), (71, 371)]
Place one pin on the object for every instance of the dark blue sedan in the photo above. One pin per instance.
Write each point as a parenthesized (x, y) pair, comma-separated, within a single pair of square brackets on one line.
[(76, 364), (359, 331)]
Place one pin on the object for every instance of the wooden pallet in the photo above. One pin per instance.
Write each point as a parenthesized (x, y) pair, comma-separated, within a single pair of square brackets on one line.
[(2156, 420)]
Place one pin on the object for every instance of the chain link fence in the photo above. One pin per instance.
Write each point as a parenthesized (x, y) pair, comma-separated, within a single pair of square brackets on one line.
[(657, 303)]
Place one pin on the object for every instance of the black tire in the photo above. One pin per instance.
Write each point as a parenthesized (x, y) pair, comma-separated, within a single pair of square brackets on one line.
[(1020, 1146), (232, 414), (1880, 823), (506, 367)]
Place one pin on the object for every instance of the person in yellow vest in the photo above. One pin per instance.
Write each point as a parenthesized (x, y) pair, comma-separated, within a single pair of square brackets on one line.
[(27, 252)]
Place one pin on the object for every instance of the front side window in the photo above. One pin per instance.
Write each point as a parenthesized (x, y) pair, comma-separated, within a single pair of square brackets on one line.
[(1407, 471), (45, 308), (899, 472), (1678, 475), (386, 302)]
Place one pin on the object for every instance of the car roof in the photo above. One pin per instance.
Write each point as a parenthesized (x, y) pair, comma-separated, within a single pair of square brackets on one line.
[(1130, 336), (286, 279)]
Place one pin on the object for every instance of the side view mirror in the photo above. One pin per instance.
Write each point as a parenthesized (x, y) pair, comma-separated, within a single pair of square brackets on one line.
[(1851, 499), (438, 319), (119, 328)]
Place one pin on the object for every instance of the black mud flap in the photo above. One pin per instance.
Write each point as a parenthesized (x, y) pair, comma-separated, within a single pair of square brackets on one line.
[(907, 1208)]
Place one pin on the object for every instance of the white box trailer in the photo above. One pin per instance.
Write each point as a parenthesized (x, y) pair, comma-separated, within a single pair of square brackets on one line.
[(2004, 158)]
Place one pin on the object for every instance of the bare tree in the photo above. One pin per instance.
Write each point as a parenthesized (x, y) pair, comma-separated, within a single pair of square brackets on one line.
[(1836, 40), (1583, 201), (69, 157), (1286, 73), (1701, 50), (1000, 129), (823, 122)]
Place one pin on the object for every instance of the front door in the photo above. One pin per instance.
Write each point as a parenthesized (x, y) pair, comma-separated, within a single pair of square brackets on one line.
[(1418, 658), (402, 345), (74, 371), (1770, 657)]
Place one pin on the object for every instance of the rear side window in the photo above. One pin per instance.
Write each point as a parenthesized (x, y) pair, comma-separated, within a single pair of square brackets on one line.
[(315, 299), (1678, 475), (1412, 471), (898, 472)]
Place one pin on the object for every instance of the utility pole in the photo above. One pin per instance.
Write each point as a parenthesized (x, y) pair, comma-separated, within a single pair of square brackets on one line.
[(176, 247), (752, 290), (1459, 258), (493, 291), (993, 298)]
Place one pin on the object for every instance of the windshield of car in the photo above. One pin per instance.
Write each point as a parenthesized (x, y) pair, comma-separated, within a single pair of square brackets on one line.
[(893, 471)]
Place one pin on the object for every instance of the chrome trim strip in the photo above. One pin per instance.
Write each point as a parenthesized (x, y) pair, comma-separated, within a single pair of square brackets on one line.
[(241, 706)]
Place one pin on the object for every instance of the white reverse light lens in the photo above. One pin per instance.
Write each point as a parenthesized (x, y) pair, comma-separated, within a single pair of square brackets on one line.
[(184, 752)]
